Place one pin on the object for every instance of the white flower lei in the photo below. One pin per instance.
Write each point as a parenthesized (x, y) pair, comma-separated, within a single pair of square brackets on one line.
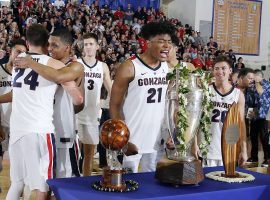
[(182, 123), (217, 176)]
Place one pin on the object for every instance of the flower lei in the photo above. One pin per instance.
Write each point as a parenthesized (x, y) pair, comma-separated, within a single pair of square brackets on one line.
[(182, 123)]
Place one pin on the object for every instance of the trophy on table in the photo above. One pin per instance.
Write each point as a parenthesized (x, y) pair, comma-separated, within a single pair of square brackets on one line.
[(114, 136), (231, 138), (181, 167)]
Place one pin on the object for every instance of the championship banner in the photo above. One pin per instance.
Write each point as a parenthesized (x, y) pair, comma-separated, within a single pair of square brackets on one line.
[(236, 25)]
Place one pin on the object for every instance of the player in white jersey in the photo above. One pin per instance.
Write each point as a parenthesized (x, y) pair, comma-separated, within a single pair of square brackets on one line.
[(224, 95), (17, 47), (139, 90), (95, 73), (31, 150), (60, 43)]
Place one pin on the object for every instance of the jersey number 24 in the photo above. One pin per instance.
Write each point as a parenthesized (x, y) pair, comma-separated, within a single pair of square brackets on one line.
[(30, 79)]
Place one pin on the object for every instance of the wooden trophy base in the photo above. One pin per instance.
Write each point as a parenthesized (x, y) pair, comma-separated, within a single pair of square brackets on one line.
[(179, 172)]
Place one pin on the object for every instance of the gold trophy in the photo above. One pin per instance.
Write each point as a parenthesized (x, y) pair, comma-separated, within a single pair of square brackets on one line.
[(114, 136), (231, 138)]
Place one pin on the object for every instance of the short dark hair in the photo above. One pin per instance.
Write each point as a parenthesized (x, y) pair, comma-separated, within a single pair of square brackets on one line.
[(64, 34), (223, 58), (90, 35), (153, 29), (37, 35), (18, 42), (243, 72)]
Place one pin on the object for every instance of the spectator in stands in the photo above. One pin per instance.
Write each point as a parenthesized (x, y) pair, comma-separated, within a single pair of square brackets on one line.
[(239, 64), (212, 44), (59, 4)]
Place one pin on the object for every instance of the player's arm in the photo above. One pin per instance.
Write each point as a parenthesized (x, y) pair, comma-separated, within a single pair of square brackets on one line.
[(107, 78), (124, 75), (6, 98), (54, 70), (243, 154), (70, 87), (80, 85)]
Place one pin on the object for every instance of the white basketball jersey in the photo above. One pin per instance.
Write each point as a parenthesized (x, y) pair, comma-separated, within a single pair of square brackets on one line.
[(145, 103), (5, 87), (64, 119), (92, 84), (32, 105), (222, 103)]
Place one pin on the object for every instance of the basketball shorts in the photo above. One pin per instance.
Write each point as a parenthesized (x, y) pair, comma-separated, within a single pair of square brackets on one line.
[(147, 161), (68, 162), (33, 160), (88, 134)]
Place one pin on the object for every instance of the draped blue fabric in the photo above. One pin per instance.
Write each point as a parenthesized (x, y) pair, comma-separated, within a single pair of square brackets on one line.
[(114, 4), (151, 189)]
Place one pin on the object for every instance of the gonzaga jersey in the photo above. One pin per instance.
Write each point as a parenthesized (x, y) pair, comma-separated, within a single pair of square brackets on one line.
[(64, 119), (32, 105), (222, 103), (5, 87), (93, 76), (145, 103)]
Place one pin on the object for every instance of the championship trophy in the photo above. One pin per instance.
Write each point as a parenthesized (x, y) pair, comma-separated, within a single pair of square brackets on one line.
[(231, 138), (181, 167), (114, 136)]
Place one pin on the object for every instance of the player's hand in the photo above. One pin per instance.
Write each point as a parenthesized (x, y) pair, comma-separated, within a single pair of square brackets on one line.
[(23, 62), (132, 149), (2, 135)]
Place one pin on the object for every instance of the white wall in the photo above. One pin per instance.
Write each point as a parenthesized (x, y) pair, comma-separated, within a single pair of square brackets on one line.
[(192, 11), (184, 10)]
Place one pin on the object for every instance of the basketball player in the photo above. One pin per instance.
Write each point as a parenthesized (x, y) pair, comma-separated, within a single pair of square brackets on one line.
[(60, 43), (224, 95), (96, 73), (32, 143), (17, 47), (139, 91)]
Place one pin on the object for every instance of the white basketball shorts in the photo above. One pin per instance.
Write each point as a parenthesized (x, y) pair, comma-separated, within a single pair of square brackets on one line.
[(88, 134)]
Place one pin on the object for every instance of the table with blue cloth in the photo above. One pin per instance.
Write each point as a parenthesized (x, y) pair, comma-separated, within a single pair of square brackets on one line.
[(150, 188)]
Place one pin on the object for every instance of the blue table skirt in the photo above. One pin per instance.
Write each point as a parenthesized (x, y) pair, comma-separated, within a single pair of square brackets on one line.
[(150, 188)]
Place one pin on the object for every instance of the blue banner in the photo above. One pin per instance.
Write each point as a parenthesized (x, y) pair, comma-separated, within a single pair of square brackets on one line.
[(114, 4)]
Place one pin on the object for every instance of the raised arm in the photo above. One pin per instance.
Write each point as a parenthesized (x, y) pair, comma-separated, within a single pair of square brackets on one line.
[(124, 75)]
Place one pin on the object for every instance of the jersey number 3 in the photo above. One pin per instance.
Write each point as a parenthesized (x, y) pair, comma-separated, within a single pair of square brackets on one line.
[(151, 98), (30, 79)]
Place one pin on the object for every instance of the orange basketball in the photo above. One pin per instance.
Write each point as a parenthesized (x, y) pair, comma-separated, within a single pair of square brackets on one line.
[(114, 134)]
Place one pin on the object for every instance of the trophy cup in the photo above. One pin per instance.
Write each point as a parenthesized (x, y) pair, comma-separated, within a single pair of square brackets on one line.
[(114, 136), (182, 167)]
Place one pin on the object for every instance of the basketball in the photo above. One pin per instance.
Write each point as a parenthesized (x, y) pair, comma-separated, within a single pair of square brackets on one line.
[(114, 134)]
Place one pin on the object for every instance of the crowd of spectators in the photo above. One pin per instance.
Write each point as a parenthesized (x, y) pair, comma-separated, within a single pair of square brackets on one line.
[(118, 30)]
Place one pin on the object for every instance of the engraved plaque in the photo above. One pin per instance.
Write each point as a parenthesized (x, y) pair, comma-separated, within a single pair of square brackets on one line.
[(232, 134)]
